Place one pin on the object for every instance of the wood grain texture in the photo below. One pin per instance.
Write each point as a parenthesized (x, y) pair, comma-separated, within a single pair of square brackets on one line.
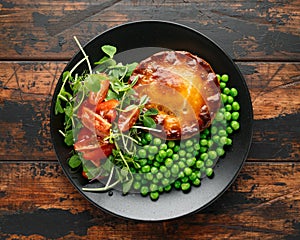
[(245, 29), (262, 203), (36, 41), (26, 90)]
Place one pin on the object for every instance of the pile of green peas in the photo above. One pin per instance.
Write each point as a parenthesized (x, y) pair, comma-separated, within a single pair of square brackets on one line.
[(166, 165)]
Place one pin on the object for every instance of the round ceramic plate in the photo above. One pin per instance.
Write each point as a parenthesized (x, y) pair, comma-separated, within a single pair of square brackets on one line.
[(136, 41)]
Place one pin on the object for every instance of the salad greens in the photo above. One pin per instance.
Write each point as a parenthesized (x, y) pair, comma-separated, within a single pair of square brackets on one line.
[(76, 88)]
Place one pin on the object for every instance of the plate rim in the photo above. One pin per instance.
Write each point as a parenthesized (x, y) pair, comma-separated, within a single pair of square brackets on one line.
[(250, 112)]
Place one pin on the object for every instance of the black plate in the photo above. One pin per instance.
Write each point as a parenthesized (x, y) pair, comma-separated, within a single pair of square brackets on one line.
[(136, 41)]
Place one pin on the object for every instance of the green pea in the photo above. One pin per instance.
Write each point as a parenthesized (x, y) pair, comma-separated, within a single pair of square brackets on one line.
[(176, 148), (148, 137), (203, 142), (224, 97), (160, 189), (219, 116), (142, 153), (138, 177), (235, 115), (197, 182), (184, 179), (212, 154), (163, 146), (169, 152), (153, 149), (199, 164), (165, 182), (168, 162), (177, 184), (222, 132), (163, 168), (203, 149), (198, 173), (168, 188), (187, 171), (189, 143), (146, 147), (227, 116), (222, 85), (216, 138), (175, 157), (154, 170), (220, 151), (193, 176), (171, 144), (230, 99), (167, 174), (137, 185), (226, 90), (223, 140), (181, 174), (155, 180), (210, 143), (197, 146), (159, 175), (203, 136), (228, 141), (235, 106), (224, 78), (190, 149), (162, 154), (153, 187), (209, 172), (154, 195), (233, 92), (175, 169), (181, 153), (157, 141), (144, 190), (149, 176), (235, 125), (229, 130), (181, 164), (185, 186), (156, 164), (228, 107), (209, 163), (218, 77), (204, 156), (158, 158), (191, 161), (146, 169), (206, 131), (143, 162)]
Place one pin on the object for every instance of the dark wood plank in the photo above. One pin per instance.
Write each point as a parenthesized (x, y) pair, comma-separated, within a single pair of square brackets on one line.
[(274, 88), (26, 90), (263, 203), (245, 29)]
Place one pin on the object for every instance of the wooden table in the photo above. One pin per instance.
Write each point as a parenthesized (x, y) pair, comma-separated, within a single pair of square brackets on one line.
[(36, 41)]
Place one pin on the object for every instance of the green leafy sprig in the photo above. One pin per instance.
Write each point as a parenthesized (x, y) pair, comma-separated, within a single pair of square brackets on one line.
[(74, 91)]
